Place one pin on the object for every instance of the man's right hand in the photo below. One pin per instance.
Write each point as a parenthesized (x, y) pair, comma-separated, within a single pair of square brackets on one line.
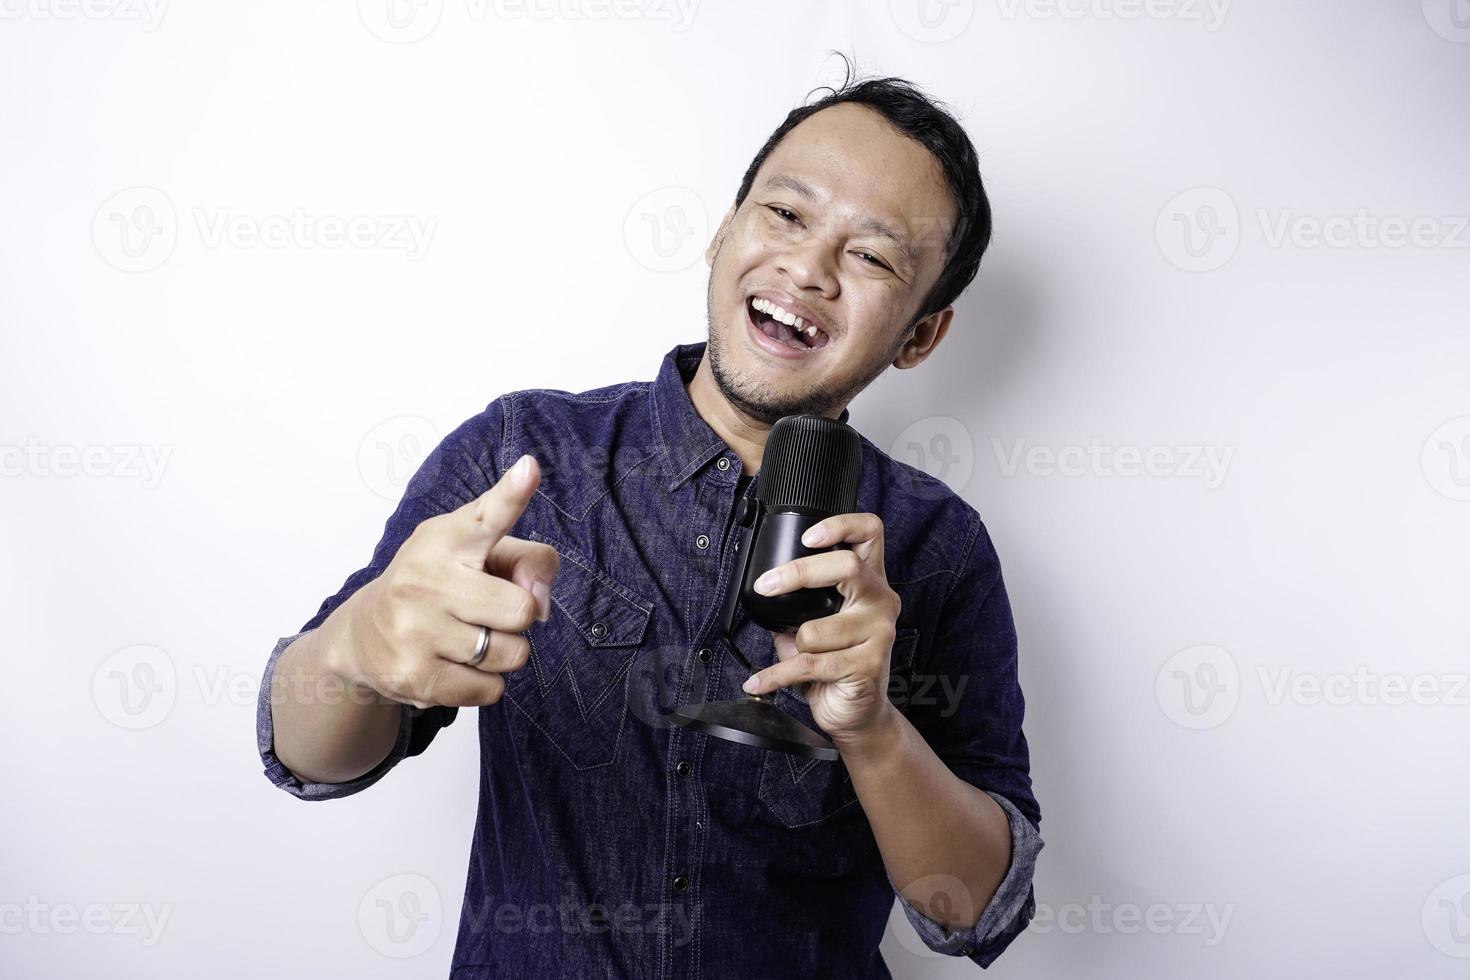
[(413, 627)]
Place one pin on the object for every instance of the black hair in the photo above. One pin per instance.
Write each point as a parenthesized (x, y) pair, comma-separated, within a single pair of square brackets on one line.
[(933, 126)]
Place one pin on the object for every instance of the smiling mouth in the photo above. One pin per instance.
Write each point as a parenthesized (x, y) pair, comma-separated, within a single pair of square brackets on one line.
[(764, 315)]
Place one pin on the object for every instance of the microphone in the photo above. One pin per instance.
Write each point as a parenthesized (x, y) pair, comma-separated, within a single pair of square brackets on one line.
[(809, 471)]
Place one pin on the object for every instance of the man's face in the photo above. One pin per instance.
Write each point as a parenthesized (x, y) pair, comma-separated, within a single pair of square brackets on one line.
[(845, 226)]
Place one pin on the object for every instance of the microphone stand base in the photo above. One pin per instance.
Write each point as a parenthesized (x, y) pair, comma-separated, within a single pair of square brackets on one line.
[(755, 721)]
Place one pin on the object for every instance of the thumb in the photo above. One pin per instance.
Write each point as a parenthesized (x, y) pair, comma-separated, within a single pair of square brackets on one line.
[(479, 524)]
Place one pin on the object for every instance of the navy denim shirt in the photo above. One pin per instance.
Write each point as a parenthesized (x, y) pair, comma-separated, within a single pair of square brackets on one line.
[(651, 850)]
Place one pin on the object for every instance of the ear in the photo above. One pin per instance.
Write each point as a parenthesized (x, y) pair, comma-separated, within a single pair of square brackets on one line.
[(926, 337), (714, 245)]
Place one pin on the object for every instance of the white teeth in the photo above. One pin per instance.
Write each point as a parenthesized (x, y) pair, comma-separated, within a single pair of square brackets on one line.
[(790, 319)]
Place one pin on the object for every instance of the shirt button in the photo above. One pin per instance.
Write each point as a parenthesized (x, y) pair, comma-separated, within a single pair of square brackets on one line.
[(966, 949), (599, 630), (705, 655), (681, 883), (702, 541), (722, 463), (683, 769)]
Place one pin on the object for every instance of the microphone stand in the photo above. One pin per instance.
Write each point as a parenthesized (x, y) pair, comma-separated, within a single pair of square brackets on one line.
[(753, 719)]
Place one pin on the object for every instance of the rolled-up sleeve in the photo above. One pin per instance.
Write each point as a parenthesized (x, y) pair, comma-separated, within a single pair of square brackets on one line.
[(978, 735), (1009, 911), (287, 780), (459, 469)]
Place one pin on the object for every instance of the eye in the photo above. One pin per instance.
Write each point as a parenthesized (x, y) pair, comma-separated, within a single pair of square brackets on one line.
[(784, 214), (872, 259)]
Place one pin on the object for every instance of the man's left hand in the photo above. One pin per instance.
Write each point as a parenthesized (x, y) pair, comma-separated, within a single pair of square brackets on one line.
[(841, 659)]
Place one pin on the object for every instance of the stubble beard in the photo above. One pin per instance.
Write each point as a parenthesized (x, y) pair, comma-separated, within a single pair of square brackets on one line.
[(754, 400)]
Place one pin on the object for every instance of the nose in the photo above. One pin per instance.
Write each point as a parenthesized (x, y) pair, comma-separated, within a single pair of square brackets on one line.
[(809, 265)]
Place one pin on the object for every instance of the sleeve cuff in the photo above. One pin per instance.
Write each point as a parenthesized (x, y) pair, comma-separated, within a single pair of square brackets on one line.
[(287, 780), (984, 941)]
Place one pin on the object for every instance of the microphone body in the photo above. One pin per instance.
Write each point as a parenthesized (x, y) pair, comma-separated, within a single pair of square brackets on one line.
[(809, 472), (776, 539)]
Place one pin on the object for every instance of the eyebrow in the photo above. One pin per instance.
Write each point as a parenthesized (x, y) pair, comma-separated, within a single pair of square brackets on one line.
[(871, 225)]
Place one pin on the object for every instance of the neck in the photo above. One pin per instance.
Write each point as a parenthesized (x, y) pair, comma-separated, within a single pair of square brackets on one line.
[(745, 436)]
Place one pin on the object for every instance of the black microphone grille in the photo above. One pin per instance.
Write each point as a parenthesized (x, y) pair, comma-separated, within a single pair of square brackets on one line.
[(813, 462)]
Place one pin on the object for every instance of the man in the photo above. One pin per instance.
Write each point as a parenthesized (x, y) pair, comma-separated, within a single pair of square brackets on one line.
[(609, 842)]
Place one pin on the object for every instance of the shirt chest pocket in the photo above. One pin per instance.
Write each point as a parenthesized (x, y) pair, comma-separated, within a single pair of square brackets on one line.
[(800, 791), (572, 691)]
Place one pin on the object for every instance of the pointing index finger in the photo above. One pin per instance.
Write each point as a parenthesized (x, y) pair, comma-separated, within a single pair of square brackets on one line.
[(489, 517)]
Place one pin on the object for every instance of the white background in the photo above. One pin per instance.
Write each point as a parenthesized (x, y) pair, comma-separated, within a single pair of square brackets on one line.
[(1159, 613)]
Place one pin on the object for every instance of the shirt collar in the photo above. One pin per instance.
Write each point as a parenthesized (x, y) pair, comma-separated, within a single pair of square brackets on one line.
[(687, 440)]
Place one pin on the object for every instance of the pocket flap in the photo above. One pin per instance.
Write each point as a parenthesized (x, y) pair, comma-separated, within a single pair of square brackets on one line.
[(605, 613)]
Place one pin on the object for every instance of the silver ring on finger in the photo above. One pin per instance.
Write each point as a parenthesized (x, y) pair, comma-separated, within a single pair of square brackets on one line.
[(480, 648)]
